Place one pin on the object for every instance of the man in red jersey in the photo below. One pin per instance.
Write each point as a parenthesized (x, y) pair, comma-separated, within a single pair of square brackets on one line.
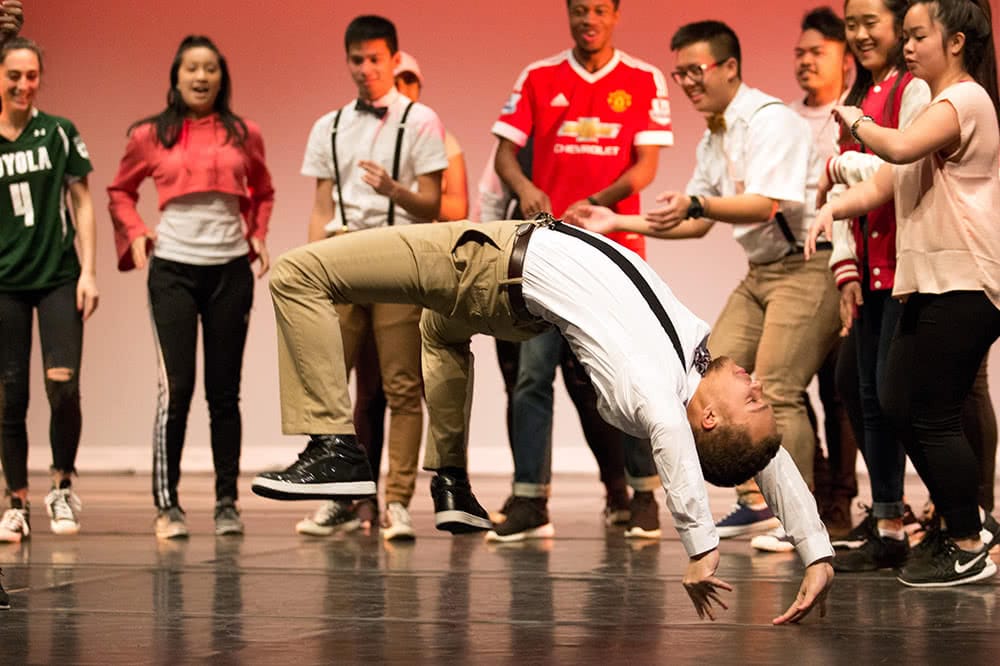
[(601, 115)]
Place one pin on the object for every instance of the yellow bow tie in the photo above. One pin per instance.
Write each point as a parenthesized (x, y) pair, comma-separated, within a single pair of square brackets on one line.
[(716, 123)]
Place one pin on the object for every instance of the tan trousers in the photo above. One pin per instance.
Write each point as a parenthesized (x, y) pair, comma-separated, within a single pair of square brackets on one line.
[(396, 331), (780, 323), (456, 271)]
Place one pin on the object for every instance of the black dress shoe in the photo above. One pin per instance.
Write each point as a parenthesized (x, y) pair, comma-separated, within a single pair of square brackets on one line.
[(455, 507), (331, 467)]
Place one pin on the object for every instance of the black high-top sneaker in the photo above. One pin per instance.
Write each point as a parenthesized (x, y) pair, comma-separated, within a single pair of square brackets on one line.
[(330, 467), (456, 509)]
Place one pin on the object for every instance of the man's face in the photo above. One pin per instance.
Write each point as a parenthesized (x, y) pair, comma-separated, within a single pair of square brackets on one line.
[(739, 399), (371, 66), (819, 62), (706, 82), (591, 23)]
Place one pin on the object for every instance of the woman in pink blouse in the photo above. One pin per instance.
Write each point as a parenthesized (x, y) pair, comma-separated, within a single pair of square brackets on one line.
[(943, 173), (215, 200)]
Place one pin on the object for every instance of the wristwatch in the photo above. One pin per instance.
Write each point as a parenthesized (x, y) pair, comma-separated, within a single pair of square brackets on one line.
[(696, 209), (854, 127)]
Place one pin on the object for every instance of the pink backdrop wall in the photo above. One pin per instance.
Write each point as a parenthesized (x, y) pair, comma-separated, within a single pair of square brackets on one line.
[(107, 63)]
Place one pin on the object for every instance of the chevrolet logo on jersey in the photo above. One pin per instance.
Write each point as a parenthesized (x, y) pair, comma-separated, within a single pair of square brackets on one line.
[(589, 130)]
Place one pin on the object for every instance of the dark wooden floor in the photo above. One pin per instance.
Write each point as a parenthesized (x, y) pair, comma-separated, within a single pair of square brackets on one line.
[(114, 594)]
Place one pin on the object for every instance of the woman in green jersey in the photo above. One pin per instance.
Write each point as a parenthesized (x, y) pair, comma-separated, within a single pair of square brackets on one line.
[(45, 213)]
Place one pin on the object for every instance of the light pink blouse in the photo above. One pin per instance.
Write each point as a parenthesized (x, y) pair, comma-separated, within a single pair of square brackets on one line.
[(948, 207)]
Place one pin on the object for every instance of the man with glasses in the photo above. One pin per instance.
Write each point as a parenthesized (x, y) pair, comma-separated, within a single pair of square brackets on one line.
[(601, 115), (752, 168)]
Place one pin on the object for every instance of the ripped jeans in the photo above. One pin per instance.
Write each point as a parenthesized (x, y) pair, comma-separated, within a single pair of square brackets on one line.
[(61, 331)]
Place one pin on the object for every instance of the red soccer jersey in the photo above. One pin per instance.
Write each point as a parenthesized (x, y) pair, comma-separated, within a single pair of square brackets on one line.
[(584, 126)]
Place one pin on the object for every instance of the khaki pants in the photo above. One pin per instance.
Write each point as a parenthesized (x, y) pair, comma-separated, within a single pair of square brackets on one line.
[(780, 323), (458, 272), (396, 332)]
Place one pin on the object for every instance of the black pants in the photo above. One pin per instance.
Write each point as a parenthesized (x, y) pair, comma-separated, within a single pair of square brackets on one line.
[(221, 296), (61, 330), (938, 347)]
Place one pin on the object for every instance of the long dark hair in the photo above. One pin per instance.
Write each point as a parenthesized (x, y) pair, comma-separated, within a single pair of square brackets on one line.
[(973, 18), (169, 121), (863, 79)]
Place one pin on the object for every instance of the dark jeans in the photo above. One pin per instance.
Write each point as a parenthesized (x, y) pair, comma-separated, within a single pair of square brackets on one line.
[(835, 476), (508, 357), (938, 347), (531, 440), (61, 331), (221, 296), (881, 448)]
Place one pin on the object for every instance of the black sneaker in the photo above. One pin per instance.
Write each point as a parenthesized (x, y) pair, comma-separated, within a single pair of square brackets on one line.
[(876, 553), (864, 531), (527, 518), (455, 507), (331, 467), (644, 517), (947, 565), (4, 598), (991, 531), (500, 514)]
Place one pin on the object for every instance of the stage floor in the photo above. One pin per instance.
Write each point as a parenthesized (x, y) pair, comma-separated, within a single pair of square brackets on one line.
[(115, 594)]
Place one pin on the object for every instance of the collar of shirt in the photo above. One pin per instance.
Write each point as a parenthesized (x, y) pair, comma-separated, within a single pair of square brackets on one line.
[(589, 76), (389, 100)]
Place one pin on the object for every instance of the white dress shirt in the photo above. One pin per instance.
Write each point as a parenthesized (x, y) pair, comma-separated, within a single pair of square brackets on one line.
[(766, 149), (362, 136), (642, 387)]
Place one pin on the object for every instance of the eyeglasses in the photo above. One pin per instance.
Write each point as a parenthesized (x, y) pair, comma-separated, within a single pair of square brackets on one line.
[(694, 72)]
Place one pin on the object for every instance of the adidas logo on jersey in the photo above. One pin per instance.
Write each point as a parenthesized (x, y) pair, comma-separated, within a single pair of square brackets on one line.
[(559, 100)]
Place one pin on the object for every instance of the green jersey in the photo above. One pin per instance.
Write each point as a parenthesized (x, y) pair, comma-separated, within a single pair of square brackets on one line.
[(36, 229)]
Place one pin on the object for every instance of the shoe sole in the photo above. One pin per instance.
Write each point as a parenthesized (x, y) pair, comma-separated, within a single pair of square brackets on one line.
[(64, 530), (989, 570), (460, 522), (843, 544), (4, 606), (284, 490), (772, 548), (390, 534), (639, 533), (760, 526), (173, 534), (12, 538), (546, 531), (312, 529), (228, 531)]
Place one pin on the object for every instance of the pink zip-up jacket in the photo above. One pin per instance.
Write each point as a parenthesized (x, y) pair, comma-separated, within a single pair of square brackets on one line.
[(200, 161)]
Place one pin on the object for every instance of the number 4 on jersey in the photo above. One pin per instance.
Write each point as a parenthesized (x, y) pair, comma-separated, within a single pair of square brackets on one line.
[(20, 197)]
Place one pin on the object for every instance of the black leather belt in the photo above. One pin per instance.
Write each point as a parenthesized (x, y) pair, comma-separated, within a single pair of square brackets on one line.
[(515, 269)]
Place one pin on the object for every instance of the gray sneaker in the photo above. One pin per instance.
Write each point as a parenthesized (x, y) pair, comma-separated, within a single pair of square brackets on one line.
[(227, 517), (170, 524), (332, 516)]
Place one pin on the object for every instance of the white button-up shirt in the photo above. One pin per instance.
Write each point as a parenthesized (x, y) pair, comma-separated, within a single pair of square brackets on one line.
[(642, 387), (766, 149), (362, 136)]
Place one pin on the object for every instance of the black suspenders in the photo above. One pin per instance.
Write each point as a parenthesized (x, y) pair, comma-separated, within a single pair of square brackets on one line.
[(395, 163)]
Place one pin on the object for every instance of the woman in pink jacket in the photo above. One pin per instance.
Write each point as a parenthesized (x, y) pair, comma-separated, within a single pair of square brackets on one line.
[(215, 199)]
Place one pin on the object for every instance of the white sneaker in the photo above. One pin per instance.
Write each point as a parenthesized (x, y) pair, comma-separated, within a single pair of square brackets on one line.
[(14, 525), (330, 517), (774, 541), (170, 524), (396, 523), (63, 507)]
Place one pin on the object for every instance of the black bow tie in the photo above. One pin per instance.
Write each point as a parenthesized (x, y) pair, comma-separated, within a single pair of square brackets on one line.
[(364, 107)]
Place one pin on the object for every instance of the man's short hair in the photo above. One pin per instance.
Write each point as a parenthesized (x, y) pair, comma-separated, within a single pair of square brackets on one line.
[(824, 21), (722, 41), (369, 27), (729, 457), (614, 2)]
